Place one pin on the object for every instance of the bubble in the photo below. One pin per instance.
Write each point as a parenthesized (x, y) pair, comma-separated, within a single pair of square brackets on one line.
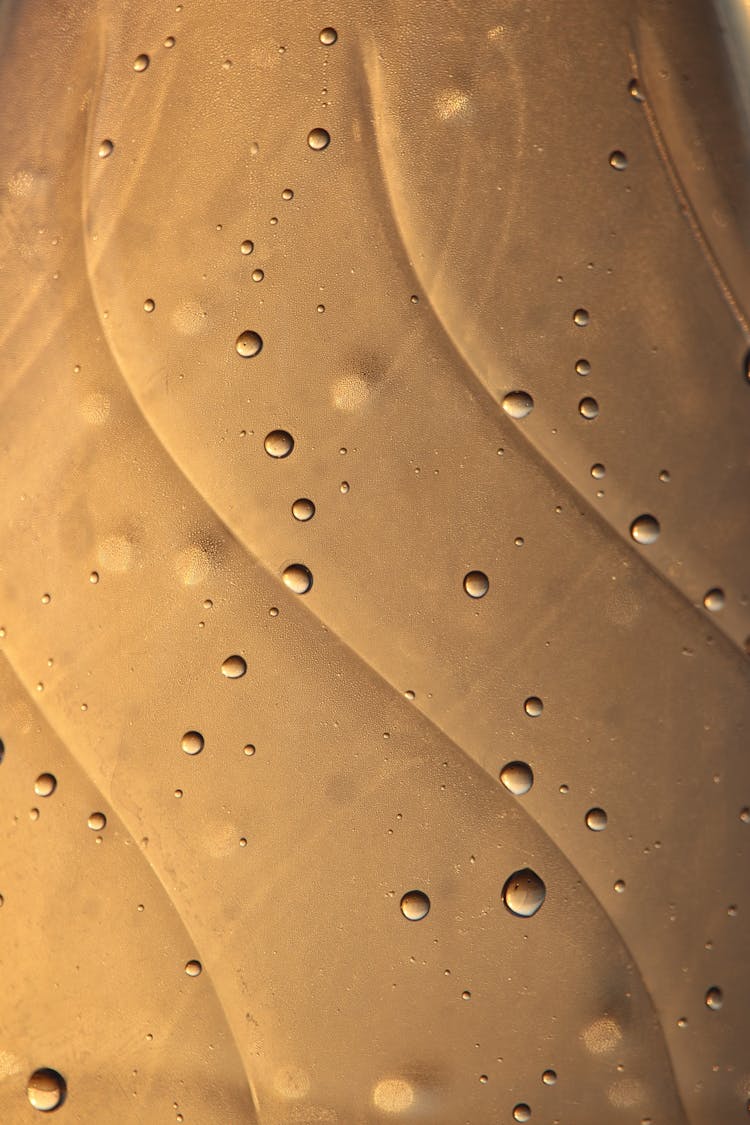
[(533, 706), (46, 1089), (549, 1077), (521, 1112), (583, 367), (645, 529), (45, 785), (714, 999), (598, 471), (618, 160), (635, 91), (297, 578), (415, 905), (524, 892), (588, 408), (106, 148), (149, 305), (328, 36), (517, 777), (303, 509), (141, 63), (581, 317), (714, 600), (97, 822), (193, 968), (192, 741), (278, 443), (248, 344), (247, 246), (518, 404), (476, 583), (318, 139), (234, 667), (257, 275), (596, 820)]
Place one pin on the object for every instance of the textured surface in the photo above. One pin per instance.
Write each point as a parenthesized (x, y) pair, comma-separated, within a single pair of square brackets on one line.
[(495, 211)]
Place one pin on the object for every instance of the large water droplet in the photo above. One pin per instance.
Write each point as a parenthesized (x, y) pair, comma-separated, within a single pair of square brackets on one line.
[(45, 785), (533, 706), (596, 820), (247, 246), (581, 317), (97, 822), (234, 667), (714, 600), (303, 509), (588, 408), (549, 1077), (645, 529), (318, 139), (521, 1112), (328, 36), (106, 148), (714, 999), (583, 367), (415, 905), (297, 578), (476, 583), (518, 404), (278, 443), (618, 160), (517, 777), (193, 968), (141, 63), (598, 471), (46, 1089), (248, 344), (524, 892), (192, 740)]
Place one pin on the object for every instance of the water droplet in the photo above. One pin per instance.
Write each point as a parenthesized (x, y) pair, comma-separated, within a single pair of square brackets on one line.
[(97, 822), (517, 777), (278, 443), (583, 367), (682, 1022), (318, 139), (466, 995), (598, 471), (149, 305), (714, 600), (619, 886), (33, 814), (618, 160), (635, 90), (518, 404), (714, 999), (234, 667), (106, 148), (328, 36), (45, 785), (549, 1077), (169, 42), (193, 968), (476, 583), (257, 275), (524, 892), (581, 317), (664, 476), (303, 509), (248, 344), (521, 1112), (46, 1089), (247, 246), (415, 905), (483, 1078), (297, 578), (46, 599), (193, 741), (745, 815), (249, 749), (94, 577), (141, 63), (588, 408), (344, 486), (596, 820), (645, 529), (287, 193), (533, 706)]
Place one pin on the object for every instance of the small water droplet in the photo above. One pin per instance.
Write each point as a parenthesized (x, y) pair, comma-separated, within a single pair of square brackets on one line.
[(581, 317), (46, 599), (518, 404), (682, 1022), (714, 600), (596, 820), (618, 160), (583, 367), (193, 741), (714, 999), (141, 63), (278, 443), (248, 344), (106, 149), (297, 578), (97, 822), (318, 139), (328, 36), (549, 1077), (46, 1089), (415, 905), (745, 815), (234, 667), (645, 529), (410, 695), (598, 471), (664, 476), (45, 785), (344, 486), (517, 777), (149, 305), (193, 968), (169, 42), (94, 577), (257, 275), (635, 90), (287, 194), (483, 1079), (521, 1112), (476, 583), (533, 706), (588, 408), (524, 892), (247, 246), (466, 995), (243, 841), (303, 509)]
